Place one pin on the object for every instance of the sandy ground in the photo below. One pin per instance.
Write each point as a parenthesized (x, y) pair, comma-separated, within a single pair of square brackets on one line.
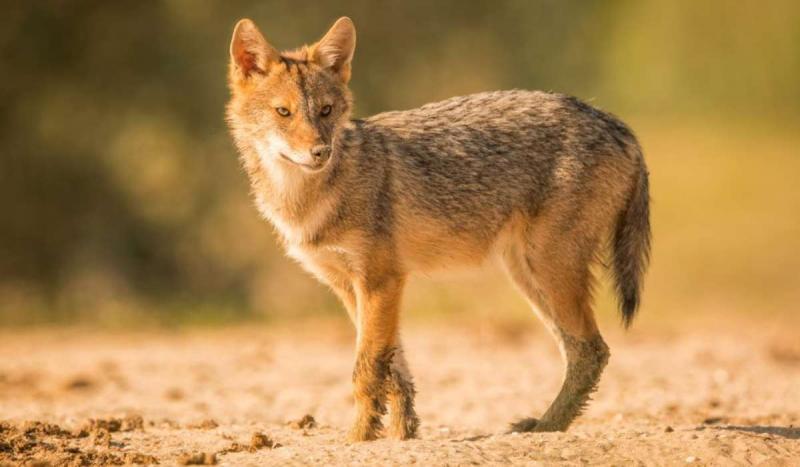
[(230, 396)]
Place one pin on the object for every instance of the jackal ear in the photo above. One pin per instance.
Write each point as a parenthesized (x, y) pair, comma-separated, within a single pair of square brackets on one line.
[(250, 52), (335, 50)]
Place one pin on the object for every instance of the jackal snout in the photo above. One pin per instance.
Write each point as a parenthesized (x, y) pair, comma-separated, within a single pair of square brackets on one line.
[(320, 153), (313, 153), (304, 142), (316, 156)]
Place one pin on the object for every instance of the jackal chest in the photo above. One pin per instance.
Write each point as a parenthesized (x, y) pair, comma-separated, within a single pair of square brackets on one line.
[(340, 261), (298, 229)]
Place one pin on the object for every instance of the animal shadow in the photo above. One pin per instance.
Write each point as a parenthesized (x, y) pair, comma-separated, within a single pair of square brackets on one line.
[(790, 432)]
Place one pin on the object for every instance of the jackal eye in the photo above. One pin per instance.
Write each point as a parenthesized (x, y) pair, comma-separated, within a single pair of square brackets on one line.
[(326, 110), (283, 111)]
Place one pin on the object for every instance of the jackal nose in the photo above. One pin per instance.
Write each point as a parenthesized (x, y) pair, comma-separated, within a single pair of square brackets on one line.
[(321, 152)]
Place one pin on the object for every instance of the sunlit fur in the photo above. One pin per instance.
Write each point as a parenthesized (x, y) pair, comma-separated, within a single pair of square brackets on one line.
[(539, 180)]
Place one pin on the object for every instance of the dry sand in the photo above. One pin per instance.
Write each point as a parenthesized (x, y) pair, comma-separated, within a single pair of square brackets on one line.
[(241, 396)]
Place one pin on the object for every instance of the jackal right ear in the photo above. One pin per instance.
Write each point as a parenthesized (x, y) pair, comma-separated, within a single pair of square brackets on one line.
[(335, 50), (250, 52)]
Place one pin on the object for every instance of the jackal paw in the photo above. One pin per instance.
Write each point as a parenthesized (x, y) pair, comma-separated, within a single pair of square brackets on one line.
[(525, 425), (404, 427), (359, 433), (536, 425)]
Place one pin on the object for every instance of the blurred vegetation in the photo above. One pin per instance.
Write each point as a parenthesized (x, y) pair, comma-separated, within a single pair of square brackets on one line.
[(122, 200)]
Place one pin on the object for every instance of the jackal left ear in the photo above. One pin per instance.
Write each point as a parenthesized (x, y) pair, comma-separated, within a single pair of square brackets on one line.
[(250, 52), (335, 50)]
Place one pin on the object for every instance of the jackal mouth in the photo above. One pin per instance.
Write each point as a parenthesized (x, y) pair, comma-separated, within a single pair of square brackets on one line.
[(308, 167)]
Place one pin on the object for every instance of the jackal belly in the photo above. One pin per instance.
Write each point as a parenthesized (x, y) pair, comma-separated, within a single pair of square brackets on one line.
[(432, 245)]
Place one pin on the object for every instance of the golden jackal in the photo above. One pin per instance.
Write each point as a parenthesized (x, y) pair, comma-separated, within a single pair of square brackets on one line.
[(540, 180)]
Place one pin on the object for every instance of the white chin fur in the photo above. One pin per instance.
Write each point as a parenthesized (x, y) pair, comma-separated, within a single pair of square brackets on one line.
[(270, 149)]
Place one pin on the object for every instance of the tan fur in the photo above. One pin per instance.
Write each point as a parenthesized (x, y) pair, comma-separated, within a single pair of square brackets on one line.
[(539, 180)]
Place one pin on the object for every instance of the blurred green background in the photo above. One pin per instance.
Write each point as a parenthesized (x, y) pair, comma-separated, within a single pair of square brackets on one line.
[(122, 201)]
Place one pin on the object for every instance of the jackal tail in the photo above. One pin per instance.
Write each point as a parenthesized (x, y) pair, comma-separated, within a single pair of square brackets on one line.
[(631, 245)]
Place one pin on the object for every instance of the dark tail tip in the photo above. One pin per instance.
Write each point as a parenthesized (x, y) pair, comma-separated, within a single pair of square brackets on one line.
[(629, 304)]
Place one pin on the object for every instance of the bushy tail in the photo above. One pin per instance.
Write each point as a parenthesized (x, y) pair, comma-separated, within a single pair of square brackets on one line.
[(631, 246)]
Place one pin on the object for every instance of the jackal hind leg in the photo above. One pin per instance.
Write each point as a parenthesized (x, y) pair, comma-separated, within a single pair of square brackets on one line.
[(557, 283)]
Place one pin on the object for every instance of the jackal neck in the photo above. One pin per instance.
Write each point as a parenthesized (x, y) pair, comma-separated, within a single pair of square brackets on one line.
[(302, 205)]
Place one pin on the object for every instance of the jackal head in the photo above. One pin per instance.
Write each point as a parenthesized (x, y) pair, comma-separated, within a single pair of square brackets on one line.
[(286, 107)]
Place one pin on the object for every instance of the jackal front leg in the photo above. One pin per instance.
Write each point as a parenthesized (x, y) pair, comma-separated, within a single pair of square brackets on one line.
[(378, 301), (403, 421)]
